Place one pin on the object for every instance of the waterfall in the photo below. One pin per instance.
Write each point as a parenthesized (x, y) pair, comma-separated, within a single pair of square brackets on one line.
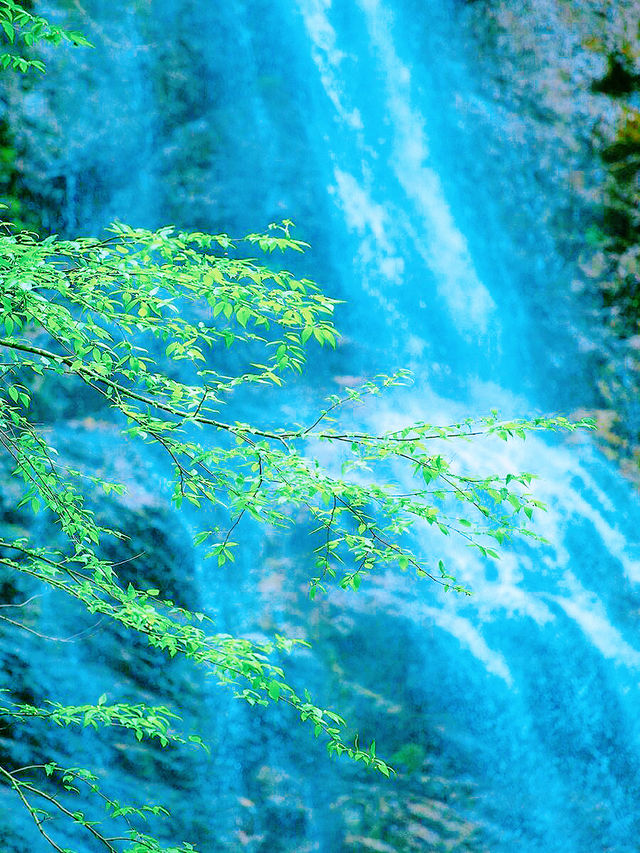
[(342, 116)]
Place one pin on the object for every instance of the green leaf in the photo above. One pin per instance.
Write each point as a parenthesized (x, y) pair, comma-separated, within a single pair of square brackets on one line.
[(9, 30), (274, 690)]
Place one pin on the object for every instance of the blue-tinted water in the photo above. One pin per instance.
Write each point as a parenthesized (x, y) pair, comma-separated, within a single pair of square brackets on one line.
[(343, 117)]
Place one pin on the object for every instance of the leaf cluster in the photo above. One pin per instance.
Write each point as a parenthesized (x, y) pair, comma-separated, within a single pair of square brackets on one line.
[(22, 30), (127, 316), (144, 322)]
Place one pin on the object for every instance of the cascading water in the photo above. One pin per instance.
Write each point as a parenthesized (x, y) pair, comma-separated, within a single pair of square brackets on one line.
[(342, 117)]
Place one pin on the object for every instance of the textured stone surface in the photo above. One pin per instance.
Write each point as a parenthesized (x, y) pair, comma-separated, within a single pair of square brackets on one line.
[(537, 64)]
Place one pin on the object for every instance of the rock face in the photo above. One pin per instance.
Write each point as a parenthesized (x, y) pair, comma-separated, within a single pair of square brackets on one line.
[(559, 82)]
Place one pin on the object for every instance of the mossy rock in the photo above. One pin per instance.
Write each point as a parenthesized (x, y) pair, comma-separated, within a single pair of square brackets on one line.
[(619, 80)]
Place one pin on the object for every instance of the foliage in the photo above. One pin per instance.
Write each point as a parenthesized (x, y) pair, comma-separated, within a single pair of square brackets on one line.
[(10, 180), (22, 29), (92, 311), (616, 267), (143, 321), (619, 237)]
